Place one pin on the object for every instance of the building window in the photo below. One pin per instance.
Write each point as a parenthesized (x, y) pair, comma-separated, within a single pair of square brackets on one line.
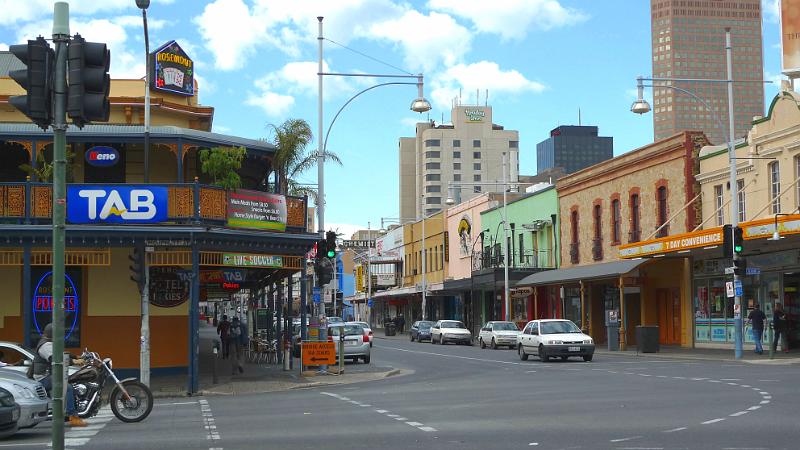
[(433, 165), (616, 226), (433, 200), (476, 189), (741, 199), (457, 177), (476, 143), (433, 177), (457, 155), (513, 144), (775, 186), (597, 242), (433, 143), (456, 166), (433, 189), (635, 233), (476, 166), (718, 202), (433, 154), (456, 142), (574, 256), (476, 155), (521, 248), (661, 200), (476, 177)]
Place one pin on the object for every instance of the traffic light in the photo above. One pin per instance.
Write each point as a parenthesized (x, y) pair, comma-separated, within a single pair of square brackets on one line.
[(35, 79), (89, 82), (738, 240), (324, 270), (330, 244), (740, 266), (137, 267)]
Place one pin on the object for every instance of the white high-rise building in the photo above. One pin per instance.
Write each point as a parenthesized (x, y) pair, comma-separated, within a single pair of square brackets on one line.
[(468, 150)]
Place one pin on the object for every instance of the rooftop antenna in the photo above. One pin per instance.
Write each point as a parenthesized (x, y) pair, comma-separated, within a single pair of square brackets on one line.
[(487, 98), (477, 97), (459, 96), (579, 117)]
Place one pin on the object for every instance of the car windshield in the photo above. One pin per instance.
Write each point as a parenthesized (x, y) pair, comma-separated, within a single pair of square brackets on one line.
[(363, 324), (452, 324), (561, 326), (425, 325), (353, 330), (504, 326)]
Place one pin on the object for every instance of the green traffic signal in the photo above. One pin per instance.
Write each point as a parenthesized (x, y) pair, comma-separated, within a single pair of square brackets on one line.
[(738, 240), (331, 253)]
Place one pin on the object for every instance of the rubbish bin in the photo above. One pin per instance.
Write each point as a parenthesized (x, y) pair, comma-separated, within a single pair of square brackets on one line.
[(390, 329), (647, 338)]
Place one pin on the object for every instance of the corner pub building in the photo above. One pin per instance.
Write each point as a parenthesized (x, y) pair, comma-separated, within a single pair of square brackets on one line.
[(194, 235)]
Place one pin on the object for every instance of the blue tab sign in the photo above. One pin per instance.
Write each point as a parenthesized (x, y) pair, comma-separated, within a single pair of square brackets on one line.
[(124, 203)]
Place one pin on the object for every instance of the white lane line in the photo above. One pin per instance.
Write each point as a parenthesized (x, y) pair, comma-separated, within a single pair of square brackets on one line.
[(745, 385), (767, 397), (764, 402), (644, 375), (460, 357), (709, 422), (740, 413), (533, 444), (76, 442), (530, 371), (713, 381), (401, 419), (397, 417), (698, 379), (626, 439), (428, 429), (392, 415), (675, 429), (364, 405), (641, 448), (210, 424), (179, 403), (769, 381), (753, 408), (661, 376), (731, 379), (414, 424), (381, 411), (764, 393)]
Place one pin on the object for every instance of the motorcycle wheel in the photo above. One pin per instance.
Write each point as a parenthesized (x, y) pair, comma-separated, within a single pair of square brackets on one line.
[(135, 409)]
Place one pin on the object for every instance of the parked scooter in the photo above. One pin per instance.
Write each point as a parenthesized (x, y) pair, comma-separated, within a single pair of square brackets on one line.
[(131, 401)]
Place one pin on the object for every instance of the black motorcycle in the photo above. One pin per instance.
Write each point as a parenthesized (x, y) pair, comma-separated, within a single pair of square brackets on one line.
[(131, 401)]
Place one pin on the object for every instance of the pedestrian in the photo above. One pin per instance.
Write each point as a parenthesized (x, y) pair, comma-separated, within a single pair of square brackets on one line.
[(223, 330), (41, 371), (235, 338), (780, 323), (757, 318), (401, 322)]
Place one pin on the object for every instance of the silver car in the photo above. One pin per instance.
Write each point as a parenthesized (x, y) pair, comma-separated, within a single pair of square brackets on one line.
[(498, 334), (445, 331), (30, 395), (356, 346)]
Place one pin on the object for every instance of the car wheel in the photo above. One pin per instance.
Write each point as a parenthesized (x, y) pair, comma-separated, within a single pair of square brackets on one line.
[(366, 359), (432, 341), (493, 344), (441, 339), (564, 358), (481, 343), (543, 354), (470, 343), (587, 358), (411, 336), (521, 352)]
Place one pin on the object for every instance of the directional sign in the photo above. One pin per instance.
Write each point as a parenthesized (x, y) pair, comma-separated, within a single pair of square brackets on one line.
[(738, 287), (729, 288), (753, 271), (315, 294), (319, 353)]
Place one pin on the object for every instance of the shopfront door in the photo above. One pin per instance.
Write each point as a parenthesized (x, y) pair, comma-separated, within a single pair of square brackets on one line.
[(669, 316), (791, 306)]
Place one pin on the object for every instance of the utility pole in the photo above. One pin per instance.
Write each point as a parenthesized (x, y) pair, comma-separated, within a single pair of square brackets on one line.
[(144, 350), (369, 274), (61, 40)]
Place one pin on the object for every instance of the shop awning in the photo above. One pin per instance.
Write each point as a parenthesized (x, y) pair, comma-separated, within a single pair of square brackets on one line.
[(590, 272)]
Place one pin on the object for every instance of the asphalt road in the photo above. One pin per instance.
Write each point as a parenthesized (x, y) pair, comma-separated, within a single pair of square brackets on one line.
[(458, 397)]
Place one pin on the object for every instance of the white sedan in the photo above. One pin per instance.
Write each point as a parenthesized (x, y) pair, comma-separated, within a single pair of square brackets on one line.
[(554, 338), (498, 334), (445, 331)]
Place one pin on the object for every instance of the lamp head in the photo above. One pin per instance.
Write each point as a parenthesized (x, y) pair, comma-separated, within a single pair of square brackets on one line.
[(640, 106), (776, 236), (449, 201), (142, 4), (420, 105)]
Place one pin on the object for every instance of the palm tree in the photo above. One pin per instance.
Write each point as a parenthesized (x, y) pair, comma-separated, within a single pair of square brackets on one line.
[(292, 138)]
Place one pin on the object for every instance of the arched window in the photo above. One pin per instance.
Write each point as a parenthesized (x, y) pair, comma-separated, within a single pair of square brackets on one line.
[(635, 233), (616, 224), (661, 201), (775, 186)]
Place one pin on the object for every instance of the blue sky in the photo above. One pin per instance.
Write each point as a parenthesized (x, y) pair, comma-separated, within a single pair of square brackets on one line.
[(541, 61)]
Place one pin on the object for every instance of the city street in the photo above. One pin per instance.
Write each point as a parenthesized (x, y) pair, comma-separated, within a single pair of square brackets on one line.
[(462, 398)]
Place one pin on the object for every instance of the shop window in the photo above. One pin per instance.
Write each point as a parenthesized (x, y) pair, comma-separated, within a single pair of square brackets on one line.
[(42, 304), (775, 186)]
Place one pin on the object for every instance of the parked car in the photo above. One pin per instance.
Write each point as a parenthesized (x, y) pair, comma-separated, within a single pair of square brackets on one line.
[(20, 357), (356, 346), (30, 395), (420, 331), (554, 338), (445, 331), (498, 333), (367, 329), (9, 414)]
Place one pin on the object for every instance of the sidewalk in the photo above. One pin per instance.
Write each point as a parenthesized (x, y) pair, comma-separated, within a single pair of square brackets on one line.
[(675, 352), (257, 378)]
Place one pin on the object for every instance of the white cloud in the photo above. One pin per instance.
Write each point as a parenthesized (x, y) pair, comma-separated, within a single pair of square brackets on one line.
[(771, 10), (221, 129), (231, 32), (272, 103), (481, 75), (3, 46), (345, 230), (136, 22), (511, 19), (15, 11), (427, 40)]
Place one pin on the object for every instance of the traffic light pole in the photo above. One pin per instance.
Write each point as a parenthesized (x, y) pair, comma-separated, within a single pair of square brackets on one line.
[(144, 340), (61, 40)]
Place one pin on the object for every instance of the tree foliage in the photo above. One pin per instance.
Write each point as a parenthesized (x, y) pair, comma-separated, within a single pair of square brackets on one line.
[(43, 172), (222, 164)]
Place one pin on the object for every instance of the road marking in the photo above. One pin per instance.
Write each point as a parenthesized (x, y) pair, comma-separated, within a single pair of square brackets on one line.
[(30, 444), (764, 402), (644, 375), (381, 411), (414, 424), (733, 384), (457, 356), (396, 417), (753, 408), (769, 381), (709, 422), (530, 371), (731, 379), (210, 424), (699, 379), (401, 419), (675, 429), (392, 415), (428, 429), (179, 403), (740, 413), (626, 439), (767, 397), (533, 444)]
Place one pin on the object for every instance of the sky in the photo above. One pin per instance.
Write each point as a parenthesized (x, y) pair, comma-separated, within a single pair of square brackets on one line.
[(256, 62)]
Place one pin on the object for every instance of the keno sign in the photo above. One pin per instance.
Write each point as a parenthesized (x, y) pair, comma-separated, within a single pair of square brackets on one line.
[(88, 203), (102, 156)]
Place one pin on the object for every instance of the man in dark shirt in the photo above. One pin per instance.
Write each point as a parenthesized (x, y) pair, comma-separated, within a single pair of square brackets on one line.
[(757, 318), (779, 322)]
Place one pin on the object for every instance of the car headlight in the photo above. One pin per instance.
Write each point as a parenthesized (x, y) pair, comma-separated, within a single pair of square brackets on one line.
[(23, 391), (588, 341), (555, 342), (6, 399)]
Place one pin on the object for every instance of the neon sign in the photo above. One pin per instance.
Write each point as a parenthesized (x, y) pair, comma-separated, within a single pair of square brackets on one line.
[(43, 304)]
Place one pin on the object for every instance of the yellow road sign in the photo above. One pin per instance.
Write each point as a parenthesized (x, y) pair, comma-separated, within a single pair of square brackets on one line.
[(319, 353)]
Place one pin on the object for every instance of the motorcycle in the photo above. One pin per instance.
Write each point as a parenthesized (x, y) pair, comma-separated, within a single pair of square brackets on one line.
[(130, 400)]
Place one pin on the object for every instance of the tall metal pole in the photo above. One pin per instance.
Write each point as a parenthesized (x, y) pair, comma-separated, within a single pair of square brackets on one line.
[(144, 351), (61, 40), (424, 267), (734, 195), (369, 273), (146, 99), (320, 145), (505, 241)]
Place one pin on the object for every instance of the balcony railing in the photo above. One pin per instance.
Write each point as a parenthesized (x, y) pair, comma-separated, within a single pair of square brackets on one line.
[(32, 203), (541, 259)]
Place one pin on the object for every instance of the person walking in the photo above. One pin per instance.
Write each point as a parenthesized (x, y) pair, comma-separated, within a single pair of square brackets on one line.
[(223, 330), (401, 323), (757, 318), (780, 323), (235, 338), (41, 371)]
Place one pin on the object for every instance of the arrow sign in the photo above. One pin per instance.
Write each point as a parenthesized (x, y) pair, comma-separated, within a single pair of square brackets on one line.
[(318, 353)]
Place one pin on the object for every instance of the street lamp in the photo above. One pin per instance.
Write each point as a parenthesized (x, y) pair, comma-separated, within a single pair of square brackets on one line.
[(420, 105), (640, 106), (143, 5)]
